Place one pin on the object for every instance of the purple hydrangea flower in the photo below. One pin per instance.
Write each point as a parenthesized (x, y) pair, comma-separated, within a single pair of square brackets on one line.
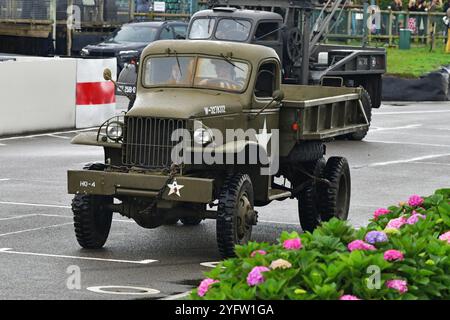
[(373, 237)]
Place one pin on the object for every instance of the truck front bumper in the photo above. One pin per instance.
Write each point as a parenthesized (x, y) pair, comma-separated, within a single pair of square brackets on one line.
[(190, 189)]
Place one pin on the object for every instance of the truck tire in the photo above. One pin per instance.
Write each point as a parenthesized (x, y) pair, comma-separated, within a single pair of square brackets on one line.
[(367, 104), (307, 151), (233, 226), (191, 221), (334, 199), (308, 210), (92, 220)]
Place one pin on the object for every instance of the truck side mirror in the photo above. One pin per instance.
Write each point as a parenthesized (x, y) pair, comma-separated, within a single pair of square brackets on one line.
[(278, 95), (107, 74)]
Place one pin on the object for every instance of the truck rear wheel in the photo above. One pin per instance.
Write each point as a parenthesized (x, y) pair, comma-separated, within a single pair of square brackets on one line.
[(308, 210), (92, 218), (334, 199), (236, 215), (367, 105)]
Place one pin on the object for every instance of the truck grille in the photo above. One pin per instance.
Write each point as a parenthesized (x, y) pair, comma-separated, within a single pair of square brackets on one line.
[(147, 141)]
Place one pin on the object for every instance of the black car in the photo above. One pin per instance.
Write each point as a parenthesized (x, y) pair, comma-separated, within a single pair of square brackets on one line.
[(127, 42)]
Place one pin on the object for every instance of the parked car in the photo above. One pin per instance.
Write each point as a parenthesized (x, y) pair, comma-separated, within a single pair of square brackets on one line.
[(128, 41)]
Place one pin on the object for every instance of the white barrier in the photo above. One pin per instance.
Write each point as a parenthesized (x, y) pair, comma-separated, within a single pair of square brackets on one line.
[(96, 98), (43, 94), (37, 95)]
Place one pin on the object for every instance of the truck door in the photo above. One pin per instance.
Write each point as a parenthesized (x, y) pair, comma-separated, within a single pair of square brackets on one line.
[(265, 112)]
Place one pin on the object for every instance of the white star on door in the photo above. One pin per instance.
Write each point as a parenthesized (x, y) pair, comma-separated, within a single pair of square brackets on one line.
[(175, 188), (264, 137)]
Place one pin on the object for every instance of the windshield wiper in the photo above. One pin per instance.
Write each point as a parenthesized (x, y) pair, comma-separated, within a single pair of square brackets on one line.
[(178, 62), (227, 59)]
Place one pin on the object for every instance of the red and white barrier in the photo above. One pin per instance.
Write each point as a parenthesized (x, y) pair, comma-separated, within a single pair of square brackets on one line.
[(95, 97)]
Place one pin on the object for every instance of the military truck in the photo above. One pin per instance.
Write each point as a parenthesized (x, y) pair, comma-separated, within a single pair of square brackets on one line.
[(287, 27), (207, 90)]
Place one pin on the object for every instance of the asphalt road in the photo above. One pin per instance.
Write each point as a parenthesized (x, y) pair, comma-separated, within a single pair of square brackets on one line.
[(406, 152)]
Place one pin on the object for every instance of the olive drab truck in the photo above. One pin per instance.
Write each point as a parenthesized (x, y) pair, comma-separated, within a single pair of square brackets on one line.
[(215, 134)]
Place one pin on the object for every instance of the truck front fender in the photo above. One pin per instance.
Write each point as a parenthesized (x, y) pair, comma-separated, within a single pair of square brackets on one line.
[(92, 139)]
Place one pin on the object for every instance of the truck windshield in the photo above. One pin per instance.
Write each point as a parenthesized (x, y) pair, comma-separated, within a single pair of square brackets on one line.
[(233, 29), (202, 28), (134, 34), (208, 73)]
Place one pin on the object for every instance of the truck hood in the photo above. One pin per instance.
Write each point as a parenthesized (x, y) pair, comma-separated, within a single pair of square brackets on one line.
[(181, 103)]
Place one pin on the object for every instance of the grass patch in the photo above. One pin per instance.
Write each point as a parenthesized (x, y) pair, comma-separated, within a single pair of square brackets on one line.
[(415, 62)]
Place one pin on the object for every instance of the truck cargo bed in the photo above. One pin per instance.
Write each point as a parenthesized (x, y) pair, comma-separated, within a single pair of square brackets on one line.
[(321, 112)]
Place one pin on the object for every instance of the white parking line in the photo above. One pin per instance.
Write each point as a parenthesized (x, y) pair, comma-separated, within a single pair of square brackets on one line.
[(8, 250), (2, 180), (47, 134), (376, 129), (34, 205), (19, 217), (36, 229), (386, 163), (412, 112), (59, 137), (410, 143)]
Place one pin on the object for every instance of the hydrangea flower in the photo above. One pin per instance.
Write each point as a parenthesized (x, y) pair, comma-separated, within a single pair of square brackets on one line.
[(415, 200), (261, 252), (390, 231), (399, 285), (360, 245), (445, 237), (293, 244), (255, 276), (373, 237), (204, 286), (280, 264), (349, 297), (396, 223), (415, 218), (393, 255), (380, 212)]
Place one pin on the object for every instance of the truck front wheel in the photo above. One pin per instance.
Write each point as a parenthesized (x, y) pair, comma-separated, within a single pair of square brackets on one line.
[(92, 217), (335, 197), (236, 215), (92, 220)]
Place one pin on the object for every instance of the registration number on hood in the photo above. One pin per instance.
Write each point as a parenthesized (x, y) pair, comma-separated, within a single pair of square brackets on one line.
[(213, 110)]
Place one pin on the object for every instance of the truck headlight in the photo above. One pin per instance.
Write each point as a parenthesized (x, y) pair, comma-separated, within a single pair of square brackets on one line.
[(114, 131), (84, 52), (203, 136)]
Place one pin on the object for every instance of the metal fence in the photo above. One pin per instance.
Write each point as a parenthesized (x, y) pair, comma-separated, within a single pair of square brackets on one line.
[(25, 9), (423, 25)]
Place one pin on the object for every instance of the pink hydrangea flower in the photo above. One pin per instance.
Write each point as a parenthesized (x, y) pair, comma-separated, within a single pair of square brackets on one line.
[(255, 276), (415, 218), (445, 237), (415, 200), (396, 223), (360, 245), (399, 285), (349, 297), (204, 286), (261, 252), (393, 255), (380, 212), (293, 244)]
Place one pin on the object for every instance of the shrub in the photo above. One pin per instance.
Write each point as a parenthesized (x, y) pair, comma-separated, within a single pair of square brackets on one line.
[(412, 263)]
